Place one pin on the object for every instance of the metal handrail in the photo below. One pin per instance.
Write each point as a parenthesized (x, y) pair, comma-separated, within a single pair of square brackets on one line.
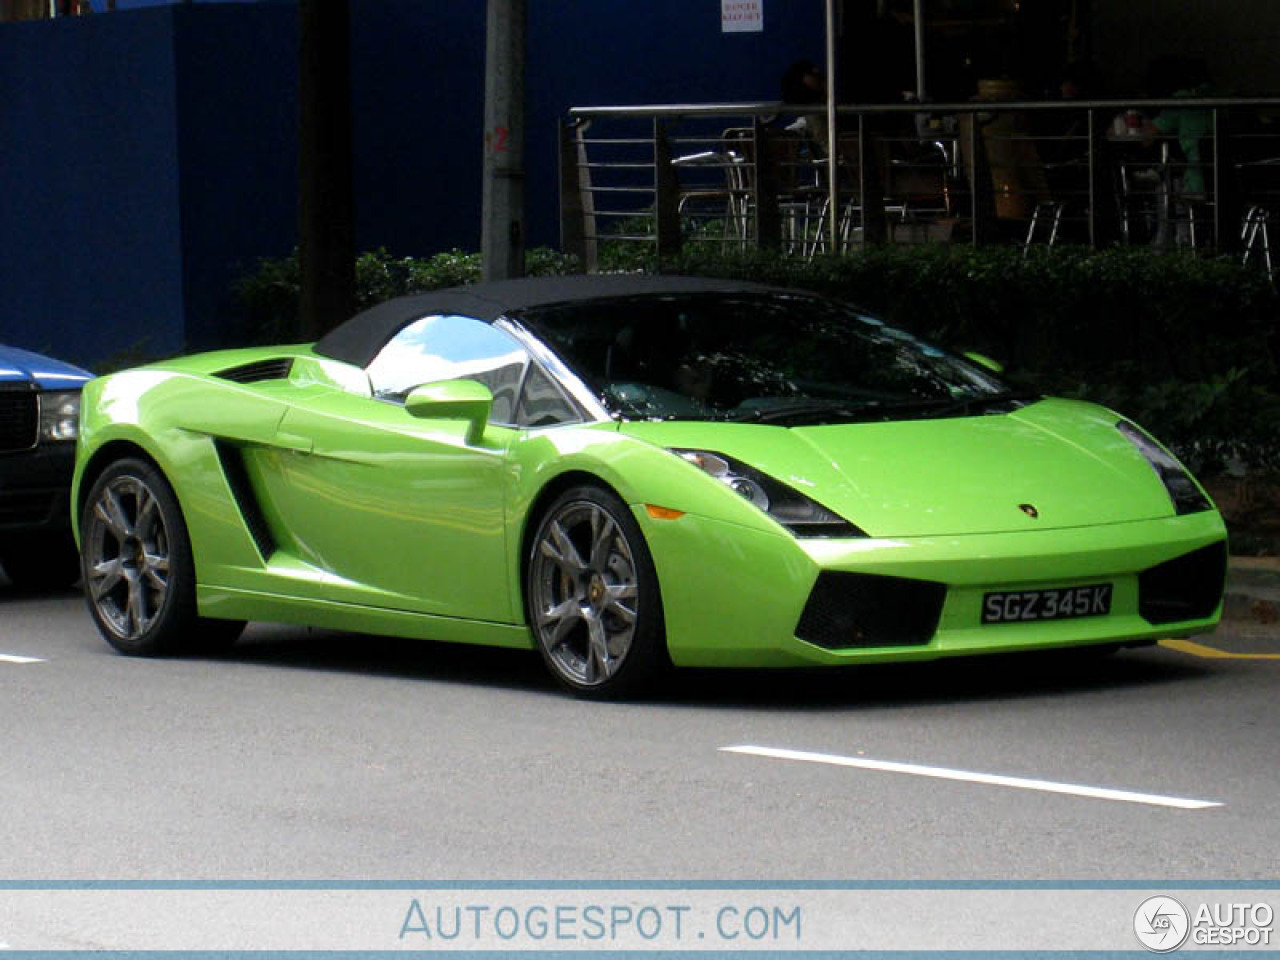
[(772, 107), (752, 202)]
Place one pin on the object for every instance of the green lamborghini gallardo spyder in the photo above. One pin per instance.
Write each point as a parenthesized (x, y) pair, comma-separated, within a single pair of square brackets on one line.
[(629, 473)]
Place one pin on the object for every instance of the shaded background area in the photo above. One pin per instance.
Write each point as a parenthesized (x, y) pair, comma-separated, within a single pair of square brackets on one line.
[(149, 156)]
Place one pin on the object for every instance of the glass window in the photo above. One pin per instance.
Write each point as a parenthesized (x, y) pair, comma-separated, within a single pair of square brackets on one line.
[(778, 358), (448, 347), (542, 403)]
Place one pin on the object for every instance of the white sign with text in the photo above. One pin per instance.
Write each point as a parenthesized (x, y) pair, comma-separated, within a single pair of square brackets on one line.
[(742, 16)]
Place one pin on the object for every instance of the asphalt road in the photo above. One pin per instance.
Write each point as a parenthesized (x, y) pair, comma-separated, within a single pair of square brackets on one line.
[(305, 755)]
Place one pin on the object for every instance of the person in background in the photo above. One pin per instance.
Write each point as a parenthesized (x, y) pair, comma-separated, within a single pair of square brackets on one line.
[(1191, 128), (804, 84)]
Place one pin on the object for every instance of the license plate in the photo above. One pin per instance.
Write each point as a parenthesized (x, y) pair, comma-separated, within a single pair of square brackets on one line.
[(1059, 603)]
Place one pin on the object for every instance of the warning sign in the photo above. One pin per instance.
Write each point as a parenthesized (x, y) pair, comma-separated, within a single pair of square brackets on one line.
[(742, 16)]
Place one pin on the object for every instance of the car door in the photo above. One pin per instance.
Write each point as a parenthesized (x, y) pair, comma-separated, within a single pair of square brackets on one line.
[(404, 513)]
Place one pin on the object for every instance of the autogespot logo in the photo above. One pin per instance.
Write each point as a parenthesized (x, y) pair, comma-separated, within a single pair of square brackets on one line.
[(1162, 924)]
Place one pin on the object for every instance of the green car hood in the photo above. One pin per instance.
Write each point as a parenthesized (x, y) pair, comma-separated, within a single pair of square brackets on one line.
[(1053, 464)]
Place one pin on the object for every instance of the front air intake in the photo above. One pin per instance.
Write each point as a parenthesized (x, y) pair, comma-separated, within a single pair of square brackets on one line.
[(1188, 587), (855, 610)]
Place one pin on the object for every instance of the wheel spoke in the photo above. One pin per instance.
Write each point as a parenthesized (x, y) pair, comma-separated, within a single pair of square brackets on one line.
[(616, 594), (138, 619), (602, 533), (561, 619), (104, 577), (148, 522), (600, 664), (110, 511), (155, 568), (559, 548)]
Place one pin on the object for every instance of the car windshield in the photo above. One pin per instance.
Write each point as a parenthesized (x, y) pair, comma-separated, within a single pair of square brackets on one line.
[(789, 359)]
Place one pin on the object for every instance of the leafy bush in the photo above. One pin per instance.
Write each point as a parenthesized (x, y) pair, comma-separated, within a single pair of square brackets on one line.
[(271, 293)]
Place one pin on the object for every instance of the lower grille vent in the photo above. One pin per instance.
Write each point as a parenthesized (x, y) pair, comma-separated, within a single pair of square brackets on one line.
[(1188, 587), (855, 610)]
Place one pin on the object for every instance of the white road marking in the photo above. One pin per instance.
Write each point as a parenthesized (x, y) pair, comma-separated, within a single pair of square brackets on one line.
[(10, 658), (944, 773)]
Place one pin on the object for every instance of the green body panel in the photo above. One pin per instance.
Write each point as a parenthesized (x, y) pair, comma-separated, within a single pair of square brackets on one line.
[(381, 521), (955, 476), (402, 511)]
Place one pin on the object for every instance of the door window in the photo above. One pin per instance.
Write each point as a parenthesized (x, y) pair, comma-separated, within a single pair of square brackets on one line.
[(450, 347)]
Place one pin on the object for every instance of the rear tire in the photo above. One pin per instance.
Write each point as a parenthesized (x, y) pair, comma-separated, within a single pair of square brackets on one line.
[(592, 597), (139, 578)]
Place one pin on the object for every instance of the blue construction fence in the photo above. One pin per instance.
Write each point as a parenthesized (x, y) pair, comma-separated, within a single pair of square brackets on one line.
[(148, 157)]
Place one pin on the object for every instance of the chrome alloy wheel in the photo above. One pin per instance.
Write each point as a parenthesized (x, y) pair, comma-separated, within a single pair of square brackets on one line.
[(585, 592), (126, 557)]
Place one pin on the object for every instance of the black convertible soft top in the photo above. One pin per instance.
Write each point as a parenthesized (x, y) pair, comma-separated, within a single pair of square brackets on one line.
[(359, 339)]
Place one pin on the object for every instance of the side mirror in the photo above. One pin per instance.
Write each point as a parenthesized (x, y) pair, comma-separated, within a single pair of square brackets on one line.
[(982, 360), (453, 400)]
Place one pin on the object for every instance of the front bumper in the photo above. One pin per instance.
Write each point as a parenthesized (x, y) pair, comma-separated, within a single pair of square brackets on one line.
[(737, 597), (35, 489)]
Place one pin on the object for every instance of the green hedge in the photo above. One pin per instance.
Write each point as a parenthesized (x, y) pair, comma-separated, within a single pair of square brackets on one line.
[(1184, 345), (271, 292)]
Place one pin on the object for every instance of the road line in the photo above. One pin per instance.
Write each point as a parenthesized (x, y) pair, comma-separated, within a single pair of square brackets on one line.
[(1213, 653), (969, 776), (10, 658)]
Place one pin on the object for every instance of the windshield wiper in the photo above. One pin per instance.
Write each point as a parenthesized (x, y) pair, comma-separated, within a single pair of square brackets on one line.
[(824, 408), (966, 406), (870, 410)]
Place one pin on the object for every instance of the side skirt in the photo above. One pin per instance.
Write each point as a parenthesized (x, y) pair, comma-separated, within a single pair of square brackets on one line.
[(231, 604)]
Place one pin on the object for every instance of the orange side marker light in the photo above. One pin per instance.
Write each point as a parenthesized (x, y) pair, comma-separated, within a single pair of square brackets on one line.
[(663, 513)]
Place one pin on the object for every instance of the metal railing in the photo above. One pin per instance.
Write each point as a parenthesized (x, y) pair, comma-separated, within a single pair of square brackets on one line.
[(1035, 173)]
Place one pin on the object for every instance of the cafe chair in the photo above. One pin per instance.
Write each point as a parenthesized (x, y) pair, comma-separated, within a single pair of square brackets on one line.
[(1255, 238)]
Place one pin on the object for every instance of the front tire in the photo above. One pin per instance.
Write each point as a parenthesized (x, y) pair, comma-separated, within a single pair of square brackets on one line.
[(139, 578), (592, 596)]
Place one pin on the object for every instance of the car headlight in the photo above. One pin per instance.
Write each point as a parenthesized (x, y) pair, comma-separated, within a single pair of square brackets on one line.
[(1183, 491), (799, 514), (59, 416)]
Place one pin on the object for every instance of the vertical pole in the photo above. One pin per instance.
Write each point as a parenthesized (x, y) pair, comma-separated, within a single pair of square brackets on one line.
[(326, 197), (768, 225), (862, 176), (917, 20), (833, 160), (974, 160), (502, 204), (573, 214), (1215, 197), (666, 191), (1093, 181)]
